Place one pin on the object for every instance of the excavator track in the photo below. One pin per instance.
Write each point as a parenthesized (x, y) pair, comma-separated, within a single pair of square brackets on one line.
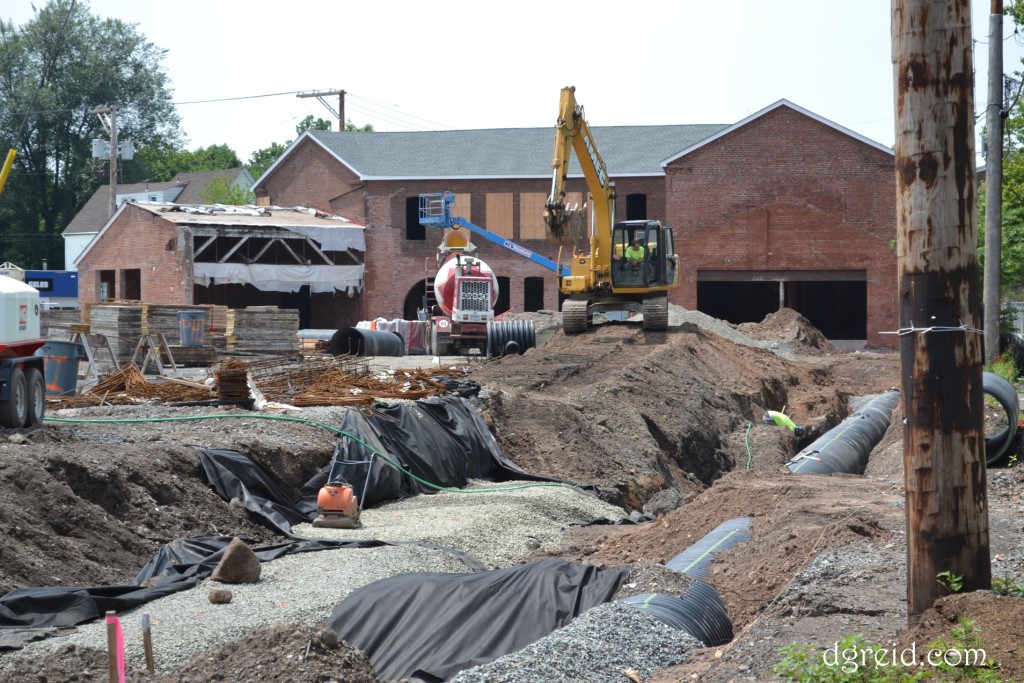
[(574, 316), (655, 313)]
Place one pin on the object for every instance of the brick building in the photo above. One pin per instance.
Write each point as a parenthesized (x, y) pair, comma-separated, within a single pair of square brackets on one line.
[(783, 208), (174, 254)]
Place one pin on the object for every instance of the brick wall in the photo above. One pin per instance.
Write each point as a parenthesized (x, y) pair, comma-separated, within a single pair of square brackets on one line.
[(137, 240), (787, 192)]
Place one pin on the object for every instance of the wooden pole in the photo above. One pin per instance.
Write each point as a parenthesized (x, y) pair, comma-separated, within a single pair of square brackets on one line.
[(994, 183), (941, 340)]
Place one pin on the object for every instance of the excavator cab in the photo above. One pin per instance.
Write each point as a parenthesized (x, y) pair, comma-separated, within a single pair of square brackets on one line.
[(658, 266)]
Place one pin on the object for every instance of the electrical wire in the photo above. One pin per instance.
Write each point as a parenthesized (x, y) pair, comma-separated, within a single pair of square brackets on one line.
[(340, 432)]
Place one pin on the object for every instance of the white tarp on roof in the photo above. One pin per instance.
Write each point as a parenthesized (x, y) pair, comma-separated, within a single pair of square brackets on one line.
[(281, 278), (333, 238)]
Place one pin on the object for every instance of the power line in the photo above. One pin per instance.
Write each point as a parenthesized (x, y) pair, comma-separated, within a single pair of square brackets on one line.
[(240, 97)]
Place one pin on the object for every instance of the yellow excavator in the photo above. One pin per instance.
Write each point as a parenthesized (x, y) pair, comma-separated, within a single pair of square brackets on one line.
[(631, 265)]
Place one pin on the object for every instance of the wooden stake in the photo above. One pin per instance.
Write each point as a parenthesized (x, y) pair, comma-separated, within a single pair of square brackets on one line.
[(940, 309), (147, 642), (112, 649)]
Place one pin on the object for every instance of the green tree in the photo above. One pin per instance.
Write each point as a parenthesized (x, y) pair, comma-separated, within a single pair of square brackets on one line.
[(351, 127), (54, 69), (220, 190), (161, 162), (262, 159), (309, 123)]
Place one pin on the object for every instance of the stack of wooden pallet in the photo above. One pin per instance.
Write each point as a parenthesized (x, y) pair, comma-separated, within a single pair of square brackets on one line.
[(57, 323), (262, 330), (122, 324)]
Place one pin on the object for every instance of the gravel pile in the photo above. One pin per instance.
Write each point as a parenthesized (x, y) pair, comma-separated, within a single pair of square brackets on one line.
[(507, 521), (601, 646)]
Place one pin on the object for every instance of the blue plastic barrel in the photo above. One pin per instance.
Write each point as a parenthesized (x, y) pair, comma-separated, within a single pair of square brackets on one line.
[(192, 326), (60, 366)]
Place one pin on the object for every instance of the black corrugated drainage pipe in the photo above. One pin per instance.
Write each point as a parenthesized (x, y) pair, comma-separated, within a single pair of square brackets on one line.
[(358, 341), (1001, 390), (699, 611), (695, 561), (507, 337), (845, 447)]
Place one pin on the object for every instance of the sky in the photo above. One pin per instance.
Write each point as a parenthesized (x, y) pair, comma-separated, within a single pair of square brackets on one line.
[(411, 65)]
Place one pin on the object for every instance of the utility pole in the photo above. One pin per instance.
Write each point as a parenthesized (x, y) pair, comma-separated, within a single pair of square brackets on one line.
[(994, 183), (320, 94), (940, 339), (108, 117)]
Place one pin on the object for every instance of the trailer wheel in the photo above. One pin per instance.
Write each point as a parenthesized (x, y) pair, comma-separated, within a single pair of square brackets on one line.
[(36, 388), (14, 410)]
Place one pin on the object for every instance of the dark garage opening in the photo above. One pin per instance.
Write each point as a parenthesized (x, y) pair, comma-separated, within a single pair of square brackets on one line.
[(738, 302), (836, 307)]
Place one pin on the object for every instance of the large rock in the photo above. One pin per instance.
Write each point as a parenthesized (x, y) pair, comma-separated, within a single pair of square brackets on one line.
[(239, 564)]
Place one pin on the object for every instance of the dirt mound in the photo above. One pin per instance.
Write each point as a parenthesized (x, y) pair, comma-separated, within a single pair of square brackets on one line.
[(786, 325), (996, 624), (639, 413), (276, 654)]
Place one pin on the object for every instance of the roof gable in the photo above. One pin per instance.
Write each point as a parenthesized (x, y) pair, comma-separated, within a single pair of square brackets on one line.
[(772, 107)]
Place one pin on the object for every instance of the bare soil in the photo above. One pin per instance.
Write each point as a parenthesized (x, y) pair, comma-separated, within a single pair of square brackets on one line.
[(667, 423)]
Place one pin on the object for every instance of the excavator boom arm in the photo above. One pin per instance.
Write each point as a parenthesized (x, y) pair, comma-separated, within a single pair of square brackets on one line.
[(572, 134)]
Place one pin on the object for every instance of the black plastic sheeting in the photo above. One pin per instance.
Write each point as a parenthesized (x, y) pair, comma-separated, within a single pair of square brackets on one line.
[(1002, 391), (845, 447), (30, 614), (430, 626), (699, 612), (695, 561), (357, 341), (442, 439)]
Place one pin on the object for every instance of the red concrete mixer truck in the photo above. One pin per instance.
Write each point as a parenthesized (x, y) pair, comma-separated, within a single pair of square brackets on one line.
[(466, 290)]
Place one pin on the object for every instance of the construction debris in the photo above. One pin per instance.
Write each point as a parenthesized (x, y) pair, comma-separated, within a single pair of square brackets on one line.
[(129, 386)]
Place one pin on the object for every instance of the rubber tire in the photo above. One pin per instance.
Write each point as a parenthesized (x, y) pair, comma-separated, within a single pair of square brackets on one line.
[(14, 410), (36, 388)]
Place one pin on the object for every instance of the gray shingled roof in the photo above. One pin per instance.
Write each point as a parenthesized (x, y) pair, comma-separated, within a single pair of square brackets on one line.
[(505, 152)]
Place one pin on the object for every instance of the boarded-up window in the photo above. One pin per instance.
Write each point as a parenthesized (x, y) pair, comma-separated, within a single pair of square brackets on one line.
[(499, 213), (531, 213), (531, 216), (463, 206)]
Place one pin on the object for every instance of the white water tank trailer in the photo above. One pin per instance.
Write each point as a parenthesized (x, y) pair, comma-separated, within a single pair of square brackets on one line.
[(19, 313), (22, 382)]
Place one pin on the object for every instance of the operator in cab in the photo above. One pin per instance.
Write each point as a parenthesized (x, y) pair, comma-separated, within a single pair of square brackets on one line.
[(635, 253)]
